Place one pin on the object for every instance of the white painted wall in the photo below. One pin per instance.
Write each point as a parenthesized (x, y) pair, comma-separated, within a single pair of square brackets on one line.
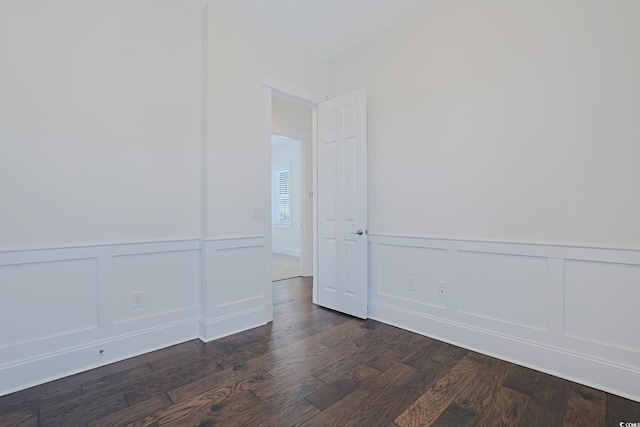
[(99, 122), (99, 182), (514, 122), (123, 127), (286, 239), (239, 57), (505, 121), (501, 121)]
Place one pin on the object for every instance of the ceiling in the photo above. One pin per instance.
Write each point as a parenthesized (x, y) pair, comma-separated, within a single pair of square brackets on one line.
[(325, 28)]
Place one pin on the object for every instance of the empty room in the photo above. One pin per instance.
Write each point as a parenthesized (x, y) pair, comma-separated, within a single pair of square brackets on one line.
[(467, 242)]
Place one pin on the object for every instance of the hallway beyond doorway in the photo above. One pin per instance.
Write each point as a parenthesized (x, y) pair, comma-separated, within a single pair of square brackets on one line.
[(284, 267)]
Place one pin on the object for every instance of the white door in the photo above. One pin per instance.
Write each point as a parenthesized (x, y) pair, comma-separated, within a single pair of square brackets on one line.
[(342, 204)]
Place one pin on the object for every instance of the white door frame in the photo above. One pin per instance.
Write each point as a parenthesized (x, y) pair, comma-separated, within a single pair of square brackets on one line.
[(286, 90)]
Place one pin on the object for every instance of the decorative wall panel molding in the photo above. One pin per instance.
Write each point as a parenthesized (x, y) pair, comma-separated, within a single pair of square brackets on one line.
[(236, 287), (71, 309), (569, 311)]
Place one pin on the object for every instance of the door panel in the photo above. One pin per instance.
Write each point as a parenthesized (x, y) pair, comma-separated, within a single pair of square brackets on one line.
[(342, 201)]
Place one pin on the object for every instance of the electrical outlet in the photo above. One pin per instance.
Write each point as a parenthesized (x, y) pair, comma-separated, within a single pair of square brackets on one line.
[(412, 283), (136, 299), (442, 289)]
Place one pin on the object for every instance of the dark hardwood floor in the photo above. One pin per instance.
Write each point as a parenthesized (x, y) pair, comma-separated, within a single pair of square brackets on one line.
[(314, 367)]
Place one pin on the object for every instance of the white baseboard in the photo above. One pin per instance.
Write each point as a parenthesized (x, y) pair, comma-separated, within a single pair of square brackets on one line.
[(220, 327), (568, 311), (574, 367), (285, 251), (236, 292), (49, 367), (66, 304)]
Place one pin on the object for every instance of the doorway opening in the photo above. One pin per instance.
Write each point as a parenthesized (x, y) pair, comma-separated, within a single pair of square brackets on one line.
[(291, 189)]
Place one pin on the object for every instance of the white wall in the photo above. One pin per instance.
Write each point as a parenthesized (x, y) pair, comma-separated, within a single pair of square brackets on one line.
[(123, 127), (286, 239), (99, 122), (496, 121), (515, 122), (505, 121), (99, 182), (239, 57)]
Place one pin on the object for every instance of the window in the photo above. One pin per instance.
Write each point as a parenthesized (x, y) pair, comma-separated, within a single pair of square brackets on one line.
[(281, 195)]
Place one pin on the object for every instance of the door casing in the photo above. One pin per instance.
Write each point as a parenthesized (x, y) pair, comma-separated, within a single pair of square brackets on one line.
[(275, 87)]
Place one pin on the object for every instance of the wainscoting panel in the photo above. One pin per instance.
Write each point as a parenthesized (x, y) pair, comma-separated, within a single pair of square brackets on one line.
[(411, 275), (235, 287), (568, 311), (167, 281), (36, 308), (599, 304), (70, 309), (506, 288)]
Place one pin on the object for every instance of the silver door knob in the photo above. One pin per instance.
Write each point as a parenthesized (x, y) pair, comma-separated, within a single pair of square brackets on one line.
[(359, 232)]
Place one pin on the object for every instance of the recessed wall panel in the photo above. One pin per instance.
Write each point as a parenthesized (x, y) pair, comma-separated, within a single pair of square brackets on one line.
[(398, 264), (238, 275), (505, 288), (44, 299), (167, 280), (602, 303)]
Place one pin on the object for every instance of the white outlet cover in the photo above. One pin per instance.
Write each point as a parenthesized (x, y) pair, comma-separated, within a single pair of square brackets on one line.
[(136, 299)]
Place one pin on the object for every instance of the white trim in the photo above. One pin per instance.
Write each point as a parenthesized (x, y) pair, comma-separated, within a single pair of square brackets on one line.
[(65, 346), (204, 123), (285, 251), (520, 302), (285, 90), (99, 245), (267, 94), (44, 368), (314, 148), (184, 311), (511, 243), (233, 239), (291, 91), (219, 327), (610, 377), (227, 311)]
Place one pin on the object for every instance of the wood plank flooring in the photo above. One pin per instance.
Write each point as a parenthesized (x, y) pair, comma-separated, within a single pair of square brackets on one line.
[(314, 367)]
